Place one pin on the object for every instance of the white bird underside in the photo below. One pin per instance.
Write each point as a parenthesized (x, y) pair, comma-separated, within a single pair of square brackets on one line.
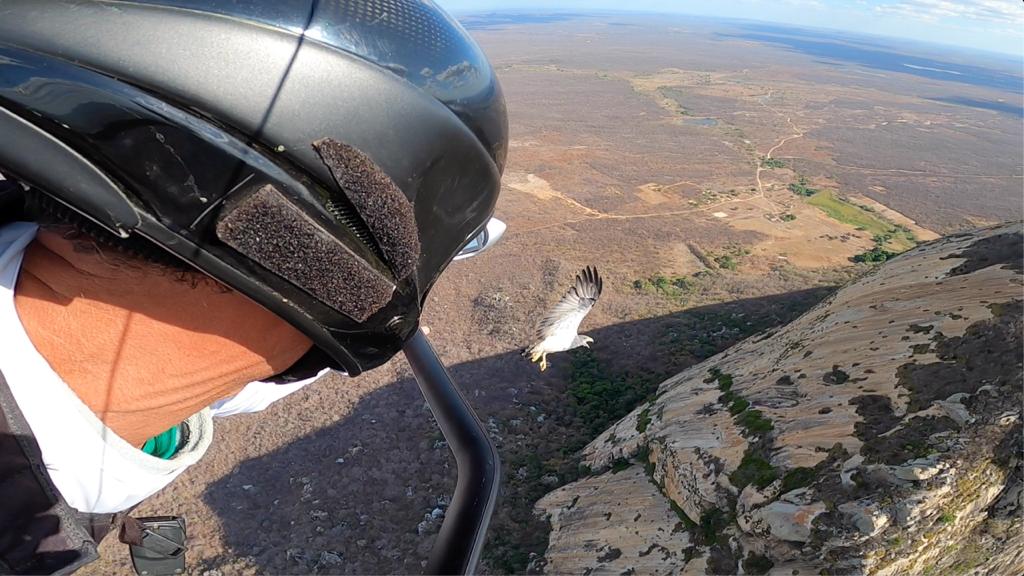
[(557, 331)]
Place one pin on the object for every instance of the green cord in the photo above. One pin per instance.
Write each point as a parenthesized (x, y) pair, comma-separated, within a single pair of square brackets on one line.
[(163, 445)]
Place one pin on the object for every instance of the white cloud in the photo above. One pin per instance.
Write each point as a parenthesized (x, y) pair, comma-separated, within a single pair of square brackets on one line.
[(987, 11)]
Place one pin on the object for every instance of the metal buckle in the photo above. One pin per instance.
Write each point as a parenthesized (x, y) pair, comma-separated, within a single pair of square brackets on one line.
[(156, 544)]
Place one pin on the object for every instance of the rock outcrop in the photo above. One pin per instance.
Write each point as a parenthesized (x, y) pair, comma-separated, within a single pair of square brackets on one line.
[(879, 433)]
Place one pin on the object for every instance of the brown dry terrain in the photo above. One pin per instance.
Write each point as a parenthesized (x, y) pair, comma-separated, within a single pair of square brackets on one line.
[(663, 152)]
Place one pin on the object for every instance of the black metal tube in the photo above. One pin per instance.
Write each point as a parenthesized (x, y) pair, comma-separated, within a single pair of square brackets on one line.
[(461, 538)]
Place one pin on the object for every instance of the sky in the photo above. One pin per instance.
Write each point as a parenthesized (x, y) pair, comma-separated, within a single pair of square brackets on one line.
[(990, 25)]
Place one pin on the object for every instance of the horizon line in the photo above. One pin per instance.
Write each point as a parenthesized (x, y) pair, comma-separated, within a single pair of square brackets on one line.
[(1018, 56)]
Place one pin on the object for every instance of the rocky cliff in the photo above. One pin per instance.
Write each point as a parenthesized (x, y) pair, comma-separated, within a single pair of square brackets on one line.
[(879, 433)]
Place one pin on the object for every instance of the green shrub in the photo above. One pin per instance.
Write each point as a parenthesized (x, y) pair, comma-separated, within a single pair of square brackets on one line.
[(876, 254), (643, 420), (836, 377), (675, 287), (755, 564), (754, 422), (797, 478), (753, 469), (738, 405), (730, 258), (726, 261), (602, 398), (712, 523), (800, 188)]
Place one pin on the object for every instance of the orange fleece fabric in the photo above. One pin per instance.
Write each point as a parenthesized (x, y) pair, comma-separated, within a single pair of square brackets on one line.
[(144, 346)]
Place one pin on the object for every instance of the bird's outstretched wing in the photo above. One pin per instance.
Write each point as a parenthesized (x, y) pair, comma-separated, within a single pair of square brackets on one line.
[(565, 316)]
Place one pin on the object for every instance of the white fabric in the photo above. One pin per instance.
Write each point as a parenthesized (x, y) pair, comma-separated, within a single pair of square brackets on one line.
[(94, 469), (257, 396)]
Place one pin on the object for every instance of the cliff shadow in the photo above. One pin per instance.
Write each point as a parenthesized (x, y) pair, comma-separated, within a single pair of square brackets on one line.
[(365, 495)]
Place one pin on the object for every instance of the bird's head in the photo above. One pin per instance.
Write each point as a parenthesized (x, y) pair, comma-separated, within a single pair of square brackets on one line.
[(586, 340)]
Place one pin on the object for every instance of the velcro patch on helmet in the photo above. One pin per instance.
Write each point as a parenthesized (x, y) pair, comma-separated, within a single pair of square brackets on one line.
[(268, 228), (382, 205)]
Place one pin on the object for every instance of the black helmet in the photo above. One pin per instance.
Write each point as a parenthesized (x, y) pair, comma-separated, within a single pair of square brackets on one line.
[(326, 158)]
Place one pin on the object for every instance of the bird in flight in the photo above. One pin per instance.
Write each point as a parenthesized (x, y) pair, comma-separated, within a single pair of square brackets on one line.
[(557, 330)]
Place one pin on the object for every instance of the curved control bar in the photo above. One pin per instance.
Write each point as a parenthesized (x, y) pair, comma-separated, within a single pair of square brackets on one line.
[(461, 538)]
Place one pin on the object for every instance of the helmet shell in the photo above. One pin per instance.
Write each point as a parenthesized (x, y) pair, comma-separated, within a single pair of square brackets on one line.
[(148, 115)]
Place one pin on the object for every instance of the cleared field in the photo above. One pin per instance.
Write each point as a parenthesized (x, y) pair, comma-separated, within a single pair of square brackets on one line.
[(897, 238)]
